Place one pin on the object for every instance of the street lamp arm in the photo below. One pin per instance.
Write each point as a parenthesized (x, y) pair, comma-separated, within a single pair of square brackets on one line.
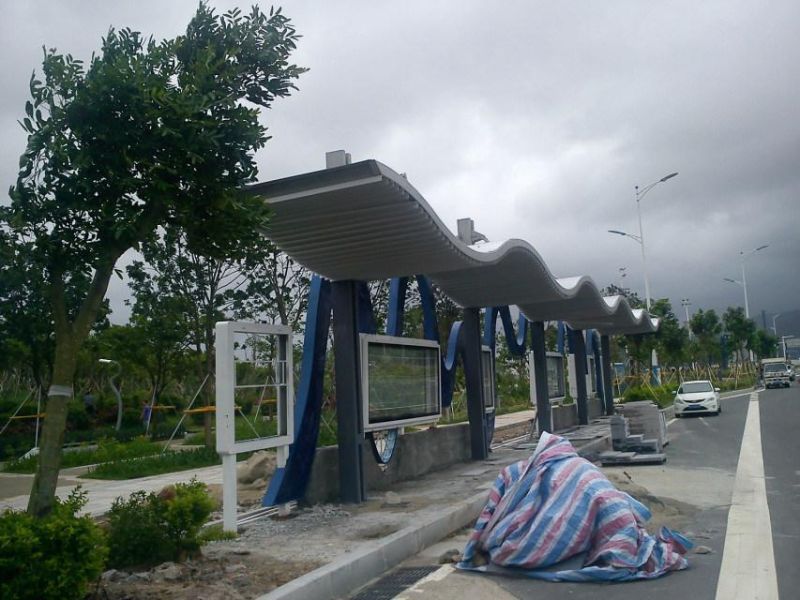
[(630, 235), (640, 193)]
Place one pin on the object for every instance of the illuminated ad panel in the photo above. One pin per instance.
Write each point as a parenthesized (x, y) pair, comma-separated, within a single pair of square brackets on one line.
[(401, 381)]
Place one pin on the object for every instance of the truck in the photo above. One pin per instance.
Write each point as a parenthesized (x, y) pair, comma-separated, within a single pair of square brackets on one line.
[(775, 372)]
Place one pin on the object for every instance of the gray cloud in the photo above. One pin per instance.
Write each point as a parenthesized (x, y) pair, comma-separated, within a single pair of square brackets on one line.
[(536, 119)]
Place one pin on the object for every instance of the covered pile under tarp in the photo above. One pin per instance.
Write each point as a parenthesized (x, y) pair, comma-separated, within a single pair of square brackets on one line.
[(558, 506)]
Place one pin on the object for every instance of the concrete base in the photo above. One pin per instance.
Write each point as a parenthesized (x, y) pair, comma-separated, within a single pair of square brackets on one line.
[(416, 454)]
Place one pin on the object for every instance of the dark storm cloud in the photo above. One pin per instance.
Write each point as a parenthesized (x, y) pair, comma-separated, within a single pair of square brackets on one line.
[(534, 119)]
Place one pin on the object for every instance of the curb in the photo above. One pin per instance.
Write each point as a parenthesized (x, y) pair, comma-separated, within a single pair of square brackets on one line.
[(343, 576)]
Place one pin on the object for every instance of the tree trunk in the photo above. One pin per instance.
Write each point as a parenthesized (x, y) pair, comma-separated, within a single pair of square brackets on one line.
[(43, 492)]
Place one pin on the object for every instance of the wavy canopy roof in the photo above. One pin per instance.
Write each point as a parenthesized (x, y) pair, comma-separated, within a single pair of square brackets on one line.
[(364, 221)]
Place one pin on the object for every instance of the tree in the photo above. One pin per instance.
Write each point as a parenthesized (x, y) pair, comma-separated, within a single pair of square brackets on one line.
[(764, 344), (276, 290), (740, 329), (151, 135), (671, 340), (706, 327), (205, 288)]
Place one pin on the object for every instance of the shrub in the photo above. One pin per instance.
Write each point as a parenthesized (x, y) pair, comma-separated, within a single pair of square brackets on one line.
[(56, 557), (147, 529)]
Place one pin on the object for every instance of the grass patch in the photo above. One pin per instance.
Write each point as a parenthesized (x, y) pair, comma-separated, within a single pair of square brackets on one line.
[(167, 462), (107, 450), (215, 533)]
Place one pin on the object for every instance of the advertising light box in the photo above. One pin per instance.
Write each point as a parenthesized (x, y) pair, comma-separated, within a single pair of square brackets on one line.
[(556, 390), (401, 381)]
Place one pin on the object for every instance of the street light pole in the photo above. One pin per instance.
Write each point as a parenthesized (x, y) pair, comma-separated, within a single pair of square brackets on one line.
[(641, 193), (108, 361), (686, 304), (744, 256), (774, 327)]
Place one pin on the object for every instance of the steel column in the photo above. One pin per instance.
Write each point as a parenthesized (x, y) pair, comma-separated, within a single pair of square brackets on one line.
[(578, 347), (348, 391), (473, 375), (543, 416), (608, 385)]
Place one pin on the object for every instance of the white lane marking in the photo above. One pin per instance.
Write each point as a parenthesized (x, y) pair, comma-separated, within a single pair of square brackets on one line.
[(671, 421), (704, 422), (748, 561)]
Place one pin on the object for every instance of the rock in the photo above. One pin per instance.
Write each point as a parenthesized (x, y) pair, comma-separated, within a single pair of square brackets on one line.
[(451, 556), (259, 466), (138, 577), (111, 575), (703, 550), (168, 571), (167, 493)]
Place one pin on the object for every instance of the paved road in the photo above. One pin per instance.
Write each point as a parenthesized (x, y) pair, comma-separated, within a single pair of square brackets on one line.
[(701, 474)]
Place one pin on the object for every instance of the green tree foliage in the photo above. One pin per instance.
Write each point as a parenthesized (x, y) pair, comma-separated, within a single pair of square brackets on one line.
[(55, 558), (706, 328), (764, 344), (149, 136), (277, 288), (741, 330)]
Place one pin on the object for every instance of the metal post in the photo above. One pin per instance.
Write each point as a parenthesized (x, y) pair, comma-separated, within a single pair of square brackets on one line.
[(229, 501), (543, 416), (578, 345), (473, 375), (608, 386), (644, 257), (744, 285), (348, 391)]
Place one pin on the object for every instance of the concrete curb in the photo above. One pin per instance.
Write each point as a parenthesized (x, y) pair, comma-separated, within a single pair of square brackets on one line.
[(343, 576)]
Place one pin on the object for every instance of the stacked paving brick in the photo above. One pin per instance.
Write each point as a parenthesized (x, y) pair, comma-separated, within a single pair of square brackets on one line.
[(638, 435)]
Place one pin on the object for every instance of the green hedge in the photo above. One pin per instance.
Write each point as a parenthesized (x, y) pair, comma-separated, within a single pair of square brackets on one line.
[(106, 451), (167, 462)]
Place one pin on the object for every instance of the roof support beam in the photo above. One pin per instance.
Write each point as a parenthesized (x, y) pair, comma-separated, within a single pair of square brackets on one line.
[(473, 374), (608, 386), (348, 391), (544, 417)]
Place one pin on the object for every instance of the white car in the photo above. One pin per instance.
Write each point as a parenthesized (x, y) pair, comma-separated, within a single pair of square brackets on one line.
[(697, 397)]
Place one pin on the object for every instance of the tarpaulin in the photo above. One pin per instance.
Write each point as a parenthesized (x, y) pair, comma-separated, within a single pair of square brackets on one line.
[(557, 506)]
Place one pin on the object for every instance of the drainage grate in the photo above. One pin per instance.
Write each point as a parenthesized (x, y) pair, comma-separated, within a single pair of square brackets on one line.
[(395, 582)]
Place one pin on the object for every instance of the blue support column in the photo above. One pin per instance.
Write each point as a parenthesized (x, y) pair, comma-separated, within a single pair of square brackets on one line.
[(608, 385), (543, 416), (473, 375), (348, 391), (577, 347)]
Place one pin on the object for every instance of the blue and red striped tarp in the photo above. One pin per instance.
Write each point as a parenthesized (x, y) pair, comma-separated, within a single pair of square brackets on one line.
[(557, 506)]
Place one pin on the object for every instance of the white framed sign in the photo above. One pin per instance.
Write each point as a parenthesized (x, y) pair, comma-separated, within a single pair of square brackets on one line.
[(254, 398)]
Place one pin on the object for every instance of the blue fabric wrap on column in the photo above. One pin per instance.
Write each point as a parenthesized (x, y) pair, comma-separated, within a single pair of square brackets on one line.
[(561, 336), (289, 482)]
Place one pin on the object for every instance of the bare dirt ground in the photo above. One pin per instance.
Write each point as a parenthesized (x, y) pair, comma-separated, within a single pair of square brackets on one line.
[(213, 576)]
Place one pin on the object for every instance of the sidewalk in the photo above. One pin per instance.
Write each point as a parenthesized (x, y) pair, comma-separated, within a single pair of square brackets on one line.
[(101, 493)]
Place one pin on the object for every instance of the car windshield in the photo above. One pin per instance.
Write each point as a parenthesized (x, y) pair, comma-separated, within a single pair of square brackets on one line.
[(694, 388), (774, 368)]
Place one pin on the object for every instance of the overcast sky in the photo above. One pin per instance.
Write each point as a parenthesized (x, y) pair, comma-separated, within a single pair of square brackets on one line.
[(536, 119)]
